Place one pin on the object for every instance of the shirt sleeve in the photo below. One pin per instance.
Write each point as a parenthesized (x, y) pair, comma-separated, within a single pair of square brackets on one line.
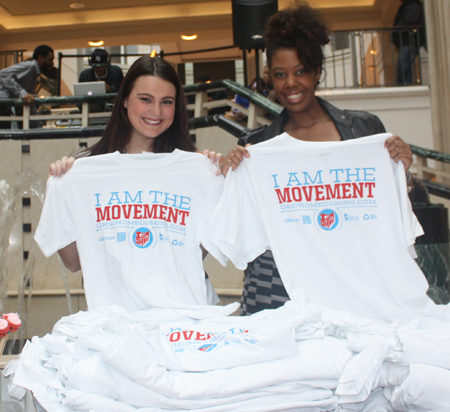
[(56, 228), (8, 77), (236, 231), (84, 76), (411, 226)]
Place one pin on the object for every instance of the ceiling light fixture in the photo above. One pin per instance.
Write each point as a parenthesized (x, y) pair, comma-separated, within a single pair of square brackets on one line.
[(76, 5), (191, 37), (96, 43)]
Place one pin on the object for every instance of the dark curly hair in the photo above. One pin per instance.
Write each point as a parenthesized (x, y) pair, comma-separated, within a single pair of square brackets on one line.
[(298, 27)]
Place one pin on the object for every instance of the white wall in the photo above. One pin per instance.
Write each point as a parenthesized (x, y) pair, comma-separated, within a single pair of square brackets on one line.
[(405, 111)]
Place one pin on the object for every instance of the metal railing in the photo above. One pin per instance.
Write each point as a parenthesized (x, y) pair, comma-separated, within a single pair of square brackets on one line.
[(10, 57), (258, 107), (429, 165), (66, 107), (370, 58), (354, 59)]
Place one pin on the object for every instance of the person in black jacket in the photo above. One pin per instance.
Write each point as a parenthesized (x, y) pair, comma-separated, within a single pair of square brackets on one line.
[(102, 70), (294, 40), (408, 41)]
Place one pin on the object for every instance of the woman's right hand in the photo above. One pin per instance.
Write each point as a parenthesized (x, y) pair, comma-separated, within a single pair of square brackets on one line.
[(233, 159), (61, 166)]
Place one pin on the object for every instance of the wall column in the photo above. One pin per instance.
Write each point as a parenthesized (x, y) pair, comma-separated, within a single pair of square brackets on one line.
[(438, 37)]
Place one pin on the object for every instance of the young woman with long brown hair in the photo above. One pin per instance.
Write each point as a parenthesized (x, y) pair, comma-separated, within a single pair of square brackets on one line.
[(147, 139)]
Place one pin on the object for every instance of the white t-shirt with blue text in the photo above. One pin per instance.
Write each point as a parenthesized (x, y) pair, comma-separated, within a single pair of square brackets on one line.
[(338, 220), (138, 221)]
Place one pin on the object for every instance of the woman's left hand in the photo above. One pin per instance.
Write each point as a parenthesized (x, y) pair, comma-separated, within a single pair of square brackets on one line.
[(399, 151)]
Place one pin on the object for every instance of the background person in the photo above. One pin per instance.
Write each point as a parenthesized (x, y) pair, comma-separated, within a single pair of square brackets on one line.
[(408, 44), (102, 70), (267, 87), (20, 80), (294, 39)]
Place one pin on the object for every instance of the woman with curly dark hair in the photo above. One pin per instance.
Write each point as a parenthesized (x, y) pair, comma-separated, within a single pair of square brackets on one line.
[(295, 38)]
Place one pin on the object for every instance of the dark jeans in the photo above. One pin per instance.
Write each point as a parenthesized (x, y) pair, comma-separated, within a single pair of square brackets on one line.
[(405, 65)]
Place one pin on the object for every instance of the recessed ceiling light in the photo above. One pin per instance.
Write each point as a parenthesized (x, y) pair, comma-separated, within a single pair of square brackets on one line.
[(186, 37), (96, 43), (76, 5)]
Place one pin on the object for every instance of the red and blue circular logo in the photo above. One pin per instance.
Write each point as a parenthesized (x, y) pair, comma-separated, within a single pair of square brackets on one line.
[(142, 237), (328, 219)]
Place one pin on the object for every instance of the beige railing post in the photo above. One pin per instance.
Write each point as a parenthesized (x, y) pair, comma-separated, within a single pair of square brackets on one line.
[(26, 117), (85, 114), (200, 99), (253, 113), (420, 164)]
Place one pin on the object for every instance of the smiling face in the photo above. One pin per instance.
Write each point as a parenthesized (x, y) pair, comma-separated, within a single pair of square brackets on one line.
[(293, 84), (151, 109)]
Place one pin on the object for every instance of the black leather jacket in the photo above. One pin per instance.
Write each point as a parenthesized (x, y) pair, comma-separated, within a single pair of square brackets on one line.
[(350, 124)]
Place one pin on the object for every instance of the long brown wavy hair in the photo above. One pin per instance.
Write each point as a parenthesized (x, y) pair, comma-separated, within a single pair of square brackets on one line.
[(117, 133)]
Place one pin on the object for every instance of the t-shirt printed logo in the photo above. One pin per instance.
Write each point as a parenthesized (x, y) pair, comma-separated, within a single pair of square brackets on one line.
[(328, 198), (142, 218), (193, 340), (328, 219), (207, 348), (142, 238)]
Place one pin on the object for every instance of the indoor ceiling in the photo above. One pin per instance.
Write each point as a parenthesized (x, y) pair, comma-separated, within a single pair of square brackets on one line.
[(33, 7), (26, 23)]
